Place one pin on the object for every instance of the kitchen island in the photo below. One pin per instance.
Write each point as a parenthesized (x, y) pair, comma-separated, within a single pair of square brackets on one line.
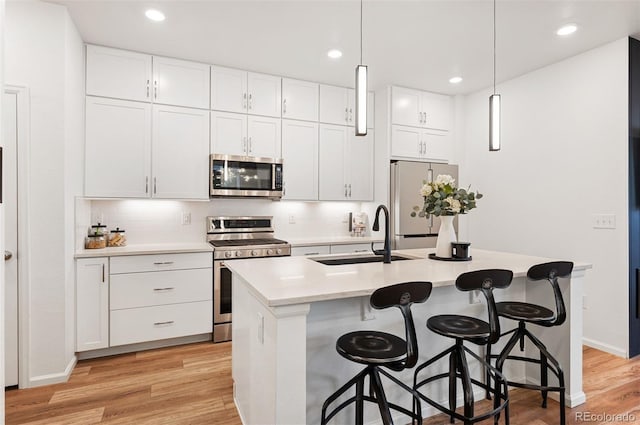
[(289, 311)]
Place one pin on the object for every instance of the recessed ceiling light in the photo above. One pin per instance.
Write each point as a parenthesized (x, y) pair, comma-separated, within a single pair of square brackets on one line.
[(455, 80), (155, 15), (567, 29), (334, 53)]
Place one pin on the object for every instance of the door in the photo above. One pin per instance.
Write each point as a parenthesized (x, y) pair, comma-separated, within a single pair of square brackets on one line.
[(333, 105), (118, 73), (228, 133), (180, 83), (117, 148), (228, 89), (360, 166), (300, 158), (264, 137), (180, 159), (265, 95), (10, 200), (405, 107), (332, 151), (406, 142), (299, 100), (406, 181), (436, 109), (92, 303)]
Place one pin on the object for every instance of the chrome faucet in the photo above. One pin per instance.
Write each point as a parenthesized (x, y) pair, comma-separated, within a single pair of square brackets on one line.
[(386, 251)]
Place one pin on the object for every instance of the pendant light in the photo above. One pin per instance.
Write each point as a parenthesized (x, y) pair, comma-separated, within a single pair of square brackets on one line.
[(361, 90), (494, 99)]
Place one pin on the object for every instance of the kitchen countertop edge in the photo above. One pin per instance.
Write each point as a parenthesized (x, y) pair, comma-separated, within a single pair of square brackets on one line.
[(144, 249)]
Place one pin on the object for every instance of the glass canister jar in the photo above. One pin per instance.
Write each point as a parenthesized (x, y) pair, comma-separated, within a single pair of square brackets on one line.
[(117, 237), (95, 241), (98, 229)]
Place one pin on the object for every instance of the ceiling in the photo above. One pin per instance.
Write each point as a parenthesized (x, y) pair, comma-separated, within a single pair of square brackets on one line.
[(417, 44)]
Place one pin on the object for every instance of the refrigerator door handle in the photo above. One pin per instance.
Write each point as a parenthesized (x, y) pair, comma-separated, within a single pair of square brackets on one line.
[(430, 175)]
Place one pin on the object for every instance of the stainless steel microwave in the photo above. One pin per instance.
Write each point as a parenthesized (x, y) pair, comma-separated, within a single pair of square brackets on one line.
[(243, 176)]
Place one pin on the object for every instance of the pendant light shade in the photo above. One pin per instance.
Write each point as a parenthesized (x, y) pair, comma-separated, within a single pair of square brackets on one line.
[(494, 122), (361, 90), (494, 99)]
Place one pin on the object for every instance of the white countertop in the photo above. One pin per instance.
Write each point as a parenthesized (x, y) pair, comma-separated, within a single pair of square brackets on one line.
[(332, 240), (298, 280), (141, 249)]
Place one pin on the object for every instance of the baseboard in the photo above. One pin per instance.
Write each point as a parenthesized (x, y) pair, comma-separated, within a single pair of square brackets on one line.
[(131, 348), (570, 400), (605, 347), (54, 378)]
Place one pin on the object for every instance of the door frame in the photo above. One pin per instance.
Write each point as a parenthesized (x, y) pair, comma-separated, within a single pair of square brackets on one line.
[(23, 255)]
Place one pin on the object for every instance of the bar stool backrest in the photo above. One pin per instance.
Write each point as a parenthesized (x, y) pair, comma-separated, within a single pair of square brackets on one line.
[(403, 295), (485, 281), (551, 272)]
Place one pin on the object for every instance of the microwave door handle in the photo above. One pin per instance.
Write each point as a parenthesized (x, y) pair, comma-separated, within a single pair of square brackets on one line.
[(273, 176)]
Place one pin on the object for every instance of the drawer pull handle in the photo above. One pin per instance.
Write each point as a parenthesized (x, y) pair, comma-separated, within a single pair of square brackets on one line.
[(163, 289), (160, 263), (312, 253), (170, 322), (361, 250)]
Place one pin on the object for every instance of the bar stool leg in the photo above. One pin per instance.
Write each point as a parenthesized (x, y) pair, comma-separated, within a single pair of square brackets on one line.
[(453, 364), (544, 377), (383, 405), (466, 385), (487, 376), (360, 402)]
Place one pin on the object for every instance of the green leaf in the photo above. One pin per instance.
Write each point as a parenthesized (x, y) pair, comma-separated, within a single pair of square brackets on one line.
[(416, 208), (413, 214)]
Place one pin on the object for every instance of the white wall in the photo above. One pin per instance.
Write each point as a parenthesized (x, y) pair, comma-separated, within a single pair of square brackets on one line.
[(42, 53), (563, 158)]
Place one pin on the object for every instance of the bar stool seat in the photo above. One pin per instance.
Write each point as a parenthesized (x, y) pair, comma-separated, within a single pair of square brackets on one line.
[(524, 311), (372, 347), (456, 326)]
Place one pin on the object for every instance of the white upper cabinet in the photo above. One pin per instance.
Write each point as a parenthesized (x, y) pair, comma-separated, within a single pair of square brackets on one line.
[(233, 90), (417, 143), (117, 148), (420, 109), (437, 146), (332, 159), (180, 83), (180, 161), (263, 137), (118, 74), (334, 105), (265, 95), (359, 163), (299, 100), (228, 133), (300, 155)]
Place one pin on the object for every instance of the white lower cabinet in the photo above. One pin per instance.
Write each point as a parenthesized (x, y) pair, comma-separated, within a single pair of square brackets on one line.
[(310, 250), (352, 248), (92, 303)]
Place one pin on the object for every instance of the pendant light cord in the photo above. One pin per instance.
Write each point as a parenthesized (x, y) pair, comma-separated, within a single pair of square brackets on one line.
[(361, 32), (494, 46)]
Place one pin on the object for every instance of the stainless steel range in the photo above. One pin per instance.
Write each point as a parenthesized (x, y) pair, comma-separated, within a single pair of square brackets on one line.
[(234, 238)]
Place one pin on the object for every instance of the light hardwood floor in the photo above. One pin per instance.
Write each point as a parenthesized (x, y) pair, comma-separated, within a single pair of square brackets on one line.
[(192, 384)]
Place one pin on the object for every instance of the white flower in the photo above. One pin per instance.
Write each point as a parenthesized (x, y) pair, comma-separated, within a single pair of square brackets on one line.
[(444, 179), (454, 204), (426, 190)]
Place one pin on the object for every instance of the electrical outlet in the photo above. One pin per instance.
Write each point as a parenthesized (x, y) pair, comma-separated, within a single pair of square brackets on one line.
[(475, 297), (260, 320), (367, 310), (603, 221), (292, 219), (186, 217)]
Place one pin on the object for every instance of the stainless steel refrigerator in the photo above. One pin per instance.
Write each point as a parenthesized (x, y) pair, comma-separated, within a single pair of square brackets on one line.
[(406, 181)]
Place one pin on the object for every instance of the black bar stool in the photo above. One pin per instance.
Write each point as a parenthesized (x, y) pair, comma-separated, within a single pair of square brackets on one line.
[(541, 316), (479, 332), (380, 349)]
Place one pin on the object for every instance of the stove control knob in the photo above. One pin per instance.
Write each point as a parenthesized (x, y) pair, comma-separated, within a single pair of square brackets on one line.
[(279, 251), (269, 251), (254, 253), (238, 253), (228, 254)]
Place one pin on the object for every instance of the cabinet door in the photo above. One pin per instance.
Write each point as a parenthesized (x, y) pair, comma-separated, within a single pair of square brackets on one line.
[(117, 148), (332, 142), (437, 147), (180, 83), (299, 100), (370, 108), (180, 159), (360, 167), (405, 106), (352, 248), (228, 89), (300, 160), (437, 111), (118, 73), (265, 95), (228, 133), (406, 142), (92, 303), (310, 250), (334, 107), (263, 137)]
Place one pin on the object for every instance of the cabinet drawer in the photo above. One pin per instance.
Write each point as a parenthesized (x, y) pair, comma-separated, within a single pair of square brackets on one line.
[(160, 322), (351, 248), (310, 250), (156, 262), (132, 290)]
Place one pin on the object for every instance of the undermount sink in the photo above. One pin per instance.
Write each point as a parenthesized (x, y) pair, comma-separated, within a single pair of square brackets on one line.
[(358, 260)]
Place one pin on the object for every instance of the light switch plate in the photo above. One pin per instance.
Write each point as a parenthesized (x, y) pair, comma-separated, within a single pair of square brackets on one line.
[(367, 310)]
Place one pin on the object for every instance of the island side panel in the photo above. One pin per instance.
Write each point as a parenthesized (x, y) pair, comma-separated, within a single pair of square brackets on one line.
[(563, 342), (268, 359)]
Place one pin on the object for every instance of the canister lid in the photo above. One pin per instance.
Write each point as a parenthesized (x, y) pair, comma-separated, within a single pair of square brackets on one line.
[(118, 230)]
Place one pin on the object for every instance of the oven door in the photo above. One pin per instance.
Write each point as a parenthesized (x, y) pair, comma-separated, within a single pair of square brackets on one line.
[(221, 302), (245, 177)]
